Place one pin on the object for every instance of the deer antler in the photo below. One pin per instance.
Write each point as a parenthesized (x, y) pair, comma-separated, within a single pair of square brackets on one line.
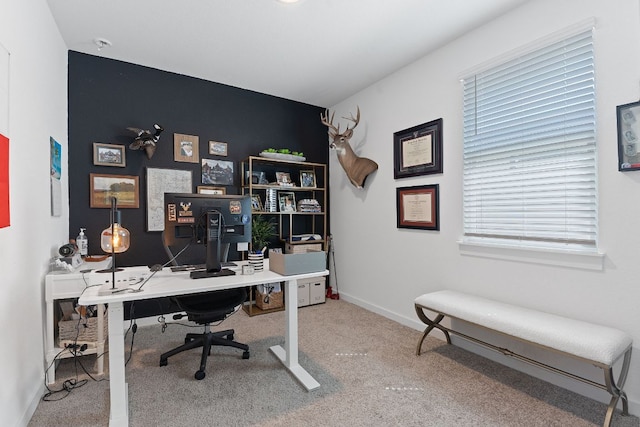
[(355, 120), (333, 131), (349, 132)]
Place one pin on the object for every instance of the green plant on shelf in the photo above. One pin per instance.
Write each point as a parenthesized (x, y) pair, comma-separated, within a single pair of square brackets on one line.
[(262, 231), (284, 151)]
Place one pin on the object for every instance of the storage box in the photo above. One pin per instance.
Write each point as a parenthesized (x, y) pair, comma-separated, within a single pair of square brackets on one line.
[(317, 291), (311, 291), (302, 248), (274, 300), (287, 264), (84, 329), (303, 294)]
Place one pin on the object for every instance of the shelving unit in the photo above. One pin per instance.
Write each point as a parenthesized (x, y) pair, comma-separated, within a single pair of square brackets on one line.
[(259, 177), (289, 223), (64, 285)]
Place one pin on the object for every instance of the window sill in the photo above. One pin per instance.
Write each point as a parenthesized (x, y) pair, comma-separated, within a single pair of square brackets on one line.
[(586, 259)]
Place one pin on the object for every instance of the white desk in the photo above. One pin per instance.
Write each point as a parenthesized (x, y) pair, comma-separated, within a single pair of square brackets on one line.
[(166, 283), (64, 284)]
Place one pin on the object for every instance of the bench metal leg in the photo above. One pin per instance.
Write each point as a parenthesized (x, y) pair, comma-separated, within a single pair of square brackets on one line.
[(616, 389), (432, 324)]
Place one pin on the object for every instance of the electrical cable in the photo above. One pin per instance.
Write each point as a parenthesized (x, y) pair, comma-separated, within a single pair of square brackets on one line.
[(332, 256)]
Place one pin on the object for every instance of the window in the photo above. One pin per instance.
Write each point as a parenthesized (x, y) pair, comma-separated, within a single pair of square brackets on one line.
[(529, 149)]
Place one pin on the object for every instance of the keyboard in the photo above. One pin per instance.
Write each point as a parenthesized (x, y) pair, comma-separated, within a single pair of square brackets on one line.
[(195, 267)]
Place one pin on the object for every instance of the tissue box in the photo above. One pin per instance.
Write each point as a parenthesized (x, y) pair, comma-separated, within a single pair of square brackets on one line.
[(288, 264)]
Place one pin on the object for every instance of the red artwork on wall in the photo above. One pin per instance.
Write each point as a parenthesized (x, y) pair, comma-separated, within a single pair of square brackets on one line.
[(4, 181)]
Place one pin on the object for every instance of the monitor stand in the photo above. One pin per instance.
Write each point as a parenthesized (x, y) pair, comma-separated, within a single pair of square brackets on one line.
[(213, 265)]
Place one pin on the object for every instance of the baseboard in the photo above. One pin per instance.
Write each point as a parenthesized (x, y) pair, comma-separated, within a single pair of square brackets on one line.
[(36, 396), (403, 320), (555, 379)]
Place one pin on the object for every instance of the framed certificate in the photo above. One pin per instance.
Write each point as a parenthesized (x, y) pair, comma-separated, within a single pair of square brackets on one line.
[(418, 150), (417, 207)]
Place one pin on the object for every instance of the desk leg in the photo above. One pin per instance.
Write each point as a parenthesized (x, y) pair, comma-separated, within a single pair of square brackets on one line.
[(119, 411), (49, 349), (289, 354), (100, 342)]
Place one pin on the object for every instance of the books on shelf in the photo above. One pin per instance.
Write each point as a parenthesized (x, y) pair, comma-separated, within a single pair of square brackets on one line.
[(309, 205)]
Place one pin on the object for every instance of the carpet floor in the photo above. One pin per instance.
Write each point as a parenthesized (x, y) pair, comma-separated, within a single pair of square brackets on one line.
[(365, 363)]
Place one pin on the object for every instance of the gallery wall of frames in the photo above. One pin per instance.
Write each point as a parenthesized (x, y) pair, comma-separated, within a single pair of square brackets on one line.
[(151, 131)]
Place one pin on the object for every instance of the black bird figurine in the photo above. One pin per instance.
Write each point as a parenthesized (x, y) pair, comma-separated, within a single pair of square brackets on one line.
[(145, 139)]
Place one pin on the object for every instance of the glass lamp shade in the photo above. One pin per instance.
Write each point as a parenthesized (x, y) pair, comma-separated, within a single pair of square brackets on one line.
[(115, 239)]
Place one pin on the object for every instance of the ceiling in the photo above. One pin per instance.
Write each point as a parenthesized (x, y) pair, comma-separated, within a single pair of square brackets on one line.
[(318, 52)]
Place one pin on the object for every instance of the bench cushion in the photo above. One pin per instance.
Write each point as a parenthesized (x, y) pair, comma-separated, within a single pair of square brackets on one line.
[(592, 342)]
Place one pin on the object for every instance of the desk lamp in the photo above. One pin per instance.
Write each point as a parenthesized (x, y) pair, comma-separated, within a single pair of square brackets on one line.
[(114, 240)]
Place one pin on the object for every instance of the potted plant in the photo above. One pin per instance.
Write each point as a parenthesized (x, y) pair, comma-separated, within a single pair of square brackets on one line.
[(262, 230)]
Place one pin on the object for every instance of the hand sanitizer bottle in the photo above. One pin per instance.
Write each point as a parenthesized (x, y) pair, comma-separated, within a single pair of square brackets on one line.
[(83, 243)]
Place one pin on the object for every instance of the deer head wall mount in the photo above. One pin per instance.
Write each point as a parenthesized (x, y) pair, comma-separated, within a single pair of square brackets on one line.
[(357, 168)]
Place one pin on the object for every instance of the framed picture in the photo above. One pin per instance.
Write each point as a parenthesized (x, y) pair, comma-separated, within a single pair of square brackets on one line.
[(307, 179), (108, 155), (628, 136), (123, 187), (205, 189), (418, 150), (283, 178), (287, 201), (418, 207), (219, 172), (217, 148), (258, 178), (256, 203), (160, 181), (185, 148)]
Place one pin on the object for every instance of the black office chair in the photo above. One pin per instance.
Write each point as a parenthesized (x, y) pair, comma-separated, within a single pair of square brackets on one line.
[(205, 309)]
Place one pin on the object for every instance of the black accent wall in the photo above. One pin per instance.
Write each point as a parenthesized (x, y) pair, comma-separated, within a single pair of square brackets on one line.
[(107, 96)]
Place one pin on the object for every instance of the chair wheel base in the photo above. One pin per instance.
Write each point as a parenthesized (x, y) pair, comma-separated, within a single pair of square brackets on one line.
[(163, 362), (245, 355), (200, 375)]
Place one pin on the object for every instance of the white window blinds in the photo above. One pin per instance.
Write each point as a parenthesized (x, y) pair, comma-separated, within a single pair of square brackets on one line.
[(529, 148)]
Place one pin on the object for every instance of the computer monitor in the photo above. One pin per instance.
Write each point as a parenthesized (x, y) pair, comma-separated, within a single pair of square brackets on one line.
[(213, 220)]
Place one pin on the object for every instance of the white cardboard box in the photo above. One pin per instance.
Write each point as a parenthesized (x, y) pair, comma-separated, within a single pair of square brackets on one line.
[(317, 291), (303, 294), (311, 291)]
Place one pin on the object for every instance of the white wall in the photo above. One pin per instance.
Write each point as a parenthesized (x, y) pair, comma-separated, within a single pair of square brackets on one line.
[(38, 110), (384, 268)]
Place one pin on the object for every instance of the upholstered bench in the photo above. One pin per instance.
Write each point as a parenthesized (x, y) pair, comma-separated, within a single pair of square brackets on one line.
[(595, 344)]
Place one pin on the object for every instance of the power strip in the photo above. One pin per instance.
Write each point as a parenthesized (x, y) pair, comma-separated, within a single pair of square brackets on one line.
[(89, 345), (128, 276)]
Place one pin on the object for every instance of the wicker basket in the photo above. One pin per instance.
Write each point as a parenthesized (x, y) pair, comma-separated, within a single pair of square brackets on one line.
[(276, 300), (85, 329)]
